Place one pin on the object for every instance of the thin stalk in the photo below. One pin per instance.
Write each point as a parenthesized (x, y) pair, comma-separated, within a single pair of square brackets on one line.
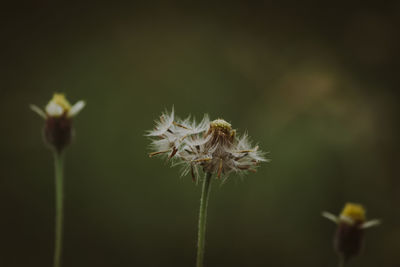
[(59, 182), (342, 261), (203, 219)]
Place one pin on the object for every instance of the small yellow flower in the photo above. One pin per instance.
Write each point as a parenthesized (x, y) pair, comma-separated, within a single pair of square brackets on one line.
[(58, 115), (354, 212), (61, 101), (349, 235), (59, 106)]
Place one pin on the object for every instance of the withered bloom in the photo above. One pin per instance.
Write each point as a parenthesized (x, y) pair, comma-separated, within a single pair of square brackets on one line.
[(58, 115), (349, 235), (212, 146)]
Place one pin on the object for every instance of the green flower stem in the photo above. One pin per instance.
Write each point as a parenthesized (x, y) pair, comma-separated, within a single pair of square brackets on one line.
[(59, 177), (341, 261), (202, 219)]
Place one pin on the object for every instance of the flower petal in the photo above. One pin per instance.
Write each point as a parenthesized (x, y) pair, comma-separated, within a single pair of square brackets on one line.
[(54, 110), (38, 111), (75, 109), (370, 223), (330, 216)]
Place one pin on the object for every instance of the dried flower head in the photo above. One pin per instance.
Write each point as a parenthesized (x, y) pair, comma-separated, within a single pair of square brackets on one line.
[(211, 146), (350, 232), (58, 114)]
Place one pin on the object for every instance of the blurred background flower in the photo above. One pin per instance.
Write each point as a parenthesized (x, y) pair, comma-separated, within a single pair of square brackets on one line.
[(349, 236), (58, 115), (314, 85)]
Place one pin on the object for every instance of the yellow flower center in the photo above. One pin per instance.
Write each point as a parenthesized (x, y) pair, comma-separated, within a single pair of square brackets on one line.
[(60, 100), (221, 124), (219, 128), (356, 212)]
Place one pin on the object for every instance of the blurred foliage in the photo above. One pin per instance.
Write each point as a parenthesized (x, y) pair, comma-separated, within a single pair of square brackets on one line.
[(314, 85)]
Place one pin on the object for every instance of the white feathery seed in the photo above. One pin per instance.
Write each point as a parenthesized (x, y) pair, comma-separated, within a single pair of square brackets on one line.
[(209, 146)]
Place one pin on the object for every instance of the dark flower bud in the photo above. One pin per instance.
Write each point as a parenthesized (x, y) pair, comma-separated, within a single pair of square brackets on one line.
[(58, 132), (348, 240), (349, 236), (58, 116)]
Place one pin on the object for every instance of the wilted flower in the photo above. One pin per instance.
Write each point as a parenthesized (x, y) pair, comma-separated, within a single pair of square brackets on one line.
[(58, 114), (212, 146), (351, 224)]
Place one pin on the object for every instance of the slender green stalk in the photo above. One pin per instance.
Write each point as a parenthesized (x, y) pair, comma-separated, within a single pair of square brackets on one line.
[(59, 177), (202, 219), (341, 261)]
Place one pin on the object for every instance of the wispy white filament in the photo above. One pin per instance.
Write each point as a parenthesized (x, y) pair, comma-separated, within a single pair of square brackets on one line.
[(199, 146)]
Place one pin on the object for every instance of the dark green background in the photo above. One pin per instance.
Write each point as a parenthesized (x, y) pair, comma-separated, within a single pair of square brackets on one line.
[(314, 84)]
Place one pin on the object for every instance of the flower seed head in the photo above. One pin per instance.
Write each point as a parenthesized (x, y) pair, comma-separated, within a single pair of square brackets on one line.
[(221, 132), (221, 125), (210, 146)]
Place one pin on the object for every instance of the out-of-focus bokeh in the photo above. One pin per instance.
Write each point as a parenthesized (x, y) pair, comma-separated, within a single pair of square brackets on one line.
[(313, 84)]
